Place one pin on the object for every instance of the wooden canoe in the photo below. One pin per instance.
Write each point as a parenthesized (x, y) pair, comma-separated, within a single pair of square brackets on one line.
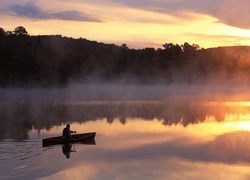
[(83, 138)]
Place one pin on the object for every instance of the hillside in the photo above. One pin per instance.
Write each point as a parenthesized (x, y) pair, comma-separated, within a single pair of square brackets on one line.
[(51, 60)]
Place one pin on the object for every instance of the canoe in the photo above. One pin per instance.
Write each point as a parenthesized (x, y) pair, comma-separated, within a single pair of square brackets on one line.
[(83, 138)]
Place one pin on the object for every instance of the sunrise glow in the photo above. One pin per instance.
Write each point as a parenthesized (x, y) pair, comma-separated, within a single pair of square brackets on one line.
[(138, 24)]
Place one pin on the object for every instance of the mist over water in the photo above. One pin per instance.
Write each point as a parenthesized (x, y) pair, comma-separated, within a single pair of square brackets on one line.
[(184, 125), (41, 108), (120, 91), (35, 100)]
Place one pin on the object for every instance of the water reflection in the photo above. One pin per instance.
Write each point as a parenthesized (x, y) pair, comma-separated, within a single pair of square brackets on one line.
[(17, 120), (143, 146), (66, 149), (169, 138), (230, 148), (148, 150)]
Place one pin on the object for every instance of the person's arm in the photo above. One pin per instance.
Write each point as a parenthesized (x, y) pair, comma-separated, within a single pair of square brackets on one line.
[(69, 131)]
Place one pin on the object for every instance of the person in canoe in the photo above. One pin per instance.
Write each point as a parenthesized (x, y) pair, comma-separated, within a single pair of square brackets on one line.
[(67, 132)]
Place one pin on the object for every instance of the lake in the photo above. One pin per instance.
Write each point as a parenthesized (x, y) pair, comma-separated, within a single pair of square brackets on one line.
[(143, 132)]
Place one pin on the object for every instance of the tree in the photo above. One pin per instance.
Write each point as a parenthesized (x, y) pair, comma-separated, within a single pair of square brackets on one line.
[(20, 31), (124, 46), (168, 46), (190, 48), (2, 32), (8, 33), (172, 51)]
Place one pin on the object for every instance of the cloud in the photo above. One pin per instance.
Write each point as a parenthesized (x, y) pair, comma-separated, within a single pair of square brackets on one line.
[(74, 15), (234, 12), (32, 10), (231, 12)]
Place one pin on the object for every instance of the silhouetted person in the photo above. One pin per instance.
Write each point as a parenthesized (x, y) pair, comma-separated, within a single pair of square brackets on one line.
[(67, 132)]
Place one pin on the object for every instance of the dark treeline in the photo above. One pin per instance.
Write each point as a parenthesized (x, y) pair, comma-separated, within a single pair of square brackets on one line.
[(49, 60)]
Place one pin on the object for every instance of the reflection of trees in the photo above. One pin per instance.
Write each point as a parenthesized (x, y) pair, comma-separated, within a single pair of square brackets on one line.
[(219, 116), (110, 120), (17, 120), (18, 125)]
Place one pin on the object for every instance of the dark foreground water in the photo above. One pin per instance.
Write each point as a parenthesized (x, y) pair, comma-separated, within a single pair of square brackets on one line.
[(145, 138)]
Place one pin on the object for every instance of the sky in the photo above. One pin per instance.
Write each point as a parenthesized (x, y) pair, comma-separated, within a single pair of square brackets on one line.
[(137, 23)]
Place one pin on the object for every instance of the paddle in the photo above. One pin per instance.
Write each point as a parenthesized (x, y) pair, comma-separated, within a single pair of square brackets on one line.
[(74, 148)]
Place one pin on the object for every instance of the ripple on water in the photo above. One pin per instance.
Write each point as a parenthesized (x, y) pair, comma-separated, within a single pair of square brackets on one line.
[(20, 150)]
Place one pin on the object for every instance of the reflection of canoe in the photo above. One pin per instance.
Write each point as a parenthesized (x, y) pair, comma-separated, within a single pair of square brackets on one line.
[(86, 138)]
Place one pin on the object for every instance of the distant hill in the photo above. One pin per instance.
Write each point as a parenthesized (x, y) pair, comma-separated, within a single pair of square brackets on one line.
[(52, 60)]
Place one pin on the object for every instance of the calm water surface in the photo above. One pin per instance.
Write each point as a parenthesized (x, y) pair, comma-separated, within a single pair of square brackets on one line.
[(177, 138)]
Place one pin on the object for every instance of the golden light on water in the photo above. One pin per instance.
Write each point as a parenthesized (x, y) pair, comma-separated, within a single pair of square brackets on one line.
[(233, 121), (138, 132), (193, 143), (237, 104), (241, 126)]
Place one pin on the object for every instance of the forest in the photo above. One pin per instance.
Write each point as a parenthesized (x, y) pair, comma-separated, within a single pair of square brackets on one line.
[(54, 60)]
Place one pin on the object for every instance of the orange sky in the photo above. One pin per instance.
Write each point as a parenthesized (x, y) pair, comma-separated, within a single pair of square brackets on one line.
[(139, 24)]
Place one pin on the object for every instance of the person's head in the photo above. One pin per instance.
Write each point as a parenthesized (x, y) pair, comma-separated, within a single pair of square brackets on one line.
[(68, 125)]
